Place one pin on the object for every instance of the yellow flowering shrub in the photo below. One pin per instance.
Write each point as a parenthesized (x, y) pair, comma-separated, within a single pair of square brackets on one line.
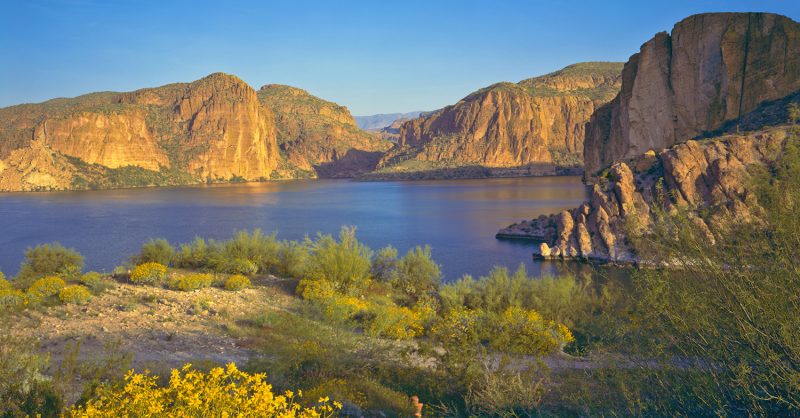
[(314, 290), (524, 331), (11, 298), (222, 392), (343, 308), (5, 284), (395, 322), (236, 282), (458, 328), (75, 294), (190, 282), (45, 288), (149, 273)]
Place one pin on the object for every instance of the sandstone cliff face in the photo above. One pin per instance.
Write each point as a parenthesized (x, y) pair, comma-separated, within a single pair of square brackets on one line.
[(320, 136), (709, 178), (213, 129), (537, 121), (710, 69)]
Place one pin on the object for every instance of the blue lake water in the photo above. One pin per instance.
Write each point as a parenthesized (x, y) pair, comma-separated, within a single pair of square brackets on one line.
[(457, 218)]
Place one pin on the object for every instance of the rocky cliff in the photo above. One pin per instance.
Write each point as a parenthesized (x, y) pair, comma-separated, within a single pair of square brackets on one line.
[(536, 121), (710, 69), (319, 136), (708, 179), (214, 129)]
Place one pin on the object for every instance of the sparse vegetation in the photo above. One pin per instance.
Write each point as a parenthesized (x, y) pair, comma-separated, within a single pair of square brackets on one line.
[(149, 273), (47, 259)]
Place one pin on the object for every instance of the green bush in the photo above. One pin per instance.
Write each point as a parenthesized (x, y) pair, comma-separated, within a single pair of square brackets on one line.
[(257, 247), (292, 259), (417, 274), (95, 281), (194, 255), (24, 389), (384, 264), (149, 273), (74, 294), (45, 288), (47, 259), (345, 263), (11, 298), (237, 282), (155, 251), (239, 266), (395, 322), (190, 282)]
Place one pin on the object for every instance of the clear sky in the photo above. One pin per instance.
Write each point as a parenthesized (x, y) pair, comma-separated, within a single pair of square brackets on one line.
[(375, 56)]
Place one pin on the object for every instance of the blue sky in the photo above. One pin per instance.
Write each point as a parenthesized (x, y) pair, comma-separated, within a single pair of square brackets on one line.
[(372, 56)]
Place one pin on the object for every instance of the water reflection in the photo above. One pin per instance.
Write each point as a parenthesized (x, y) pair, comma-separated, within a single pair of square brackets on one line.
[(457, 218)]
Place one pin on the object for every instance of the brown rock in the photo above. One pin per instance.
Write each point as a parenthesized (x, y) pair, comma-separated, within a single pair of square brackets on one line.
[(712, 68), (537, 121)]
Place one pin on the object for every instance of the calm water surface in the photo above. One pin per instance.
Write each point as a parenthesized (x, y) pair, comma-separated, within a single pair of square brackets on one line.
[(457, 218)]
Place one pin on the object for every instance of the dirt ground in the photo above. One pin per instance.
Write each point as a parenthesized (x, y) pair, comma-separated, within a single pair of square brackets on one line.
[(162, 328)]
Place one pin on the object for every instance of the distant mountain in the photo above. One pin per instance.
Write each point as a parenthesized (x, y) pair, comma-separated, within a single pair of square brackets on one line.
[(537, 122), (384, 120)]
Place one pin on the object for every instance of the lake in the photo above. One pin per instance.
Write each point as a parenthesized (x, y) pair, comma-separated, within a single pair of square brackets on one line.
[(457, 218)]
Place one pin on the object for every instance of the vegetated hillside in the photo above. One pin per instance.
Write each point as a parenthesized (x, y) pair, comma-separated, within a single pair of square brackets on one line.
[(538, 121), (214, 129), (710, 69), (319, 136)]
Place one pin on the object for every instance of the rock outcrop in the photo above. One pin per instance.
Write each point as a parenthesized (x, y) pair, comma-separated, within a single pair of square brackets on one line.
[(710, 69), (536, 121), (709, 179), (319, 136), (214, 129)]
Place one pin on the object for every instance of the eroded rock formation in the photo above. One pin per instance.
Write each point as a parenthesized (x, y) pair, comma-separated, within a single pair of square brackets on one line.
[(536, 121), (709, 178), (710, 69), (320, 136)]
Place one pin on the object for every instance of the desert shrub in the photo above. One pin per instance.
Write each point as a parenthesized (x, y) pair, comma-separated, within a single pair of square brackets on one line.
[(236, 282), (148, 273), (395, 322), (74, 294), (47, 259), (193, 255), (45, 288), (345, 263), (458, 334), (24, 389), (259, 248), (292, 259), (239, 266), (11, 298), (586, 307), (95, 281), (416, 273), (502, 391), (220, 392), (315, 290), (522, 331), (384, 264), (190, 282), (155, 251)]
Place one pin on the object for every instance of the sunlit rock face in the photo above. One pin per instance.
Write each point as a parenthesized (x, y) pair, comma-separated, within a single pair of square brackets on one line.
[(538, 120), (318, 136), (710, 69)]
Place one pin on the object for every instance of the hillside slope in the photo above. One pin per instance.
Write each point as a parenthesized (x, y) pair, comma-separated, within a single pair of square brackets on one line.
[(536, 121)]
